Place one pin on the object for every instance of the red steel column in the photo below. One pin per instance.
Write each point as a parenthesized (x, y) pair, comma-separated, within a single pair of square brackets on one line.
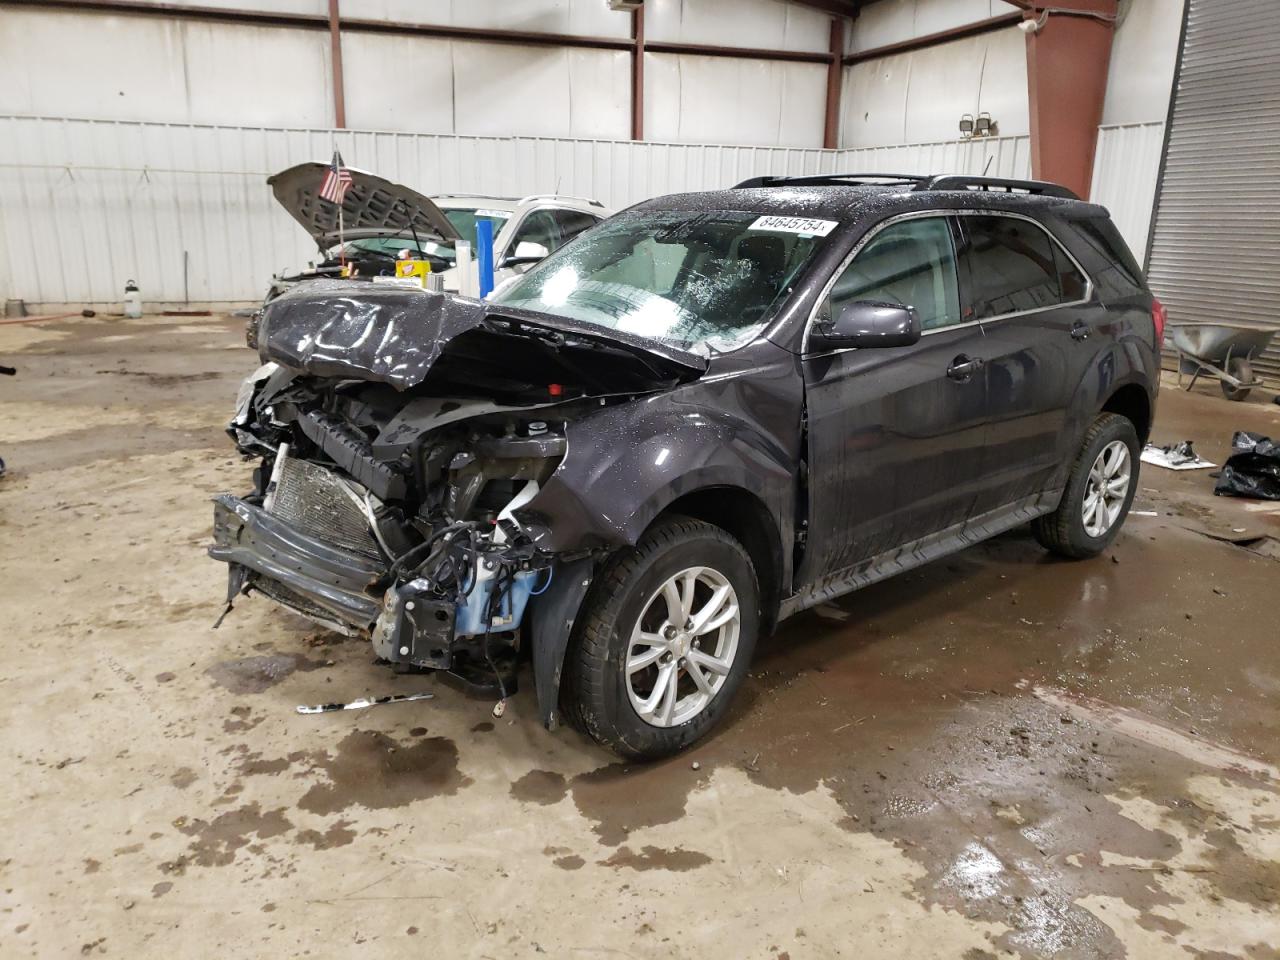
[(835, 71), (1067, 62), (335, 48), (637, 74)]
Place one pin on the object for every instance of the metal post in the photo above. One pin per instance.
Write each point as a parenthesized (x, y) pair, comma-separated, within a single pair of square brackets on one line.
[(335, 54), (637, 74), (835, 78), (484, 255)]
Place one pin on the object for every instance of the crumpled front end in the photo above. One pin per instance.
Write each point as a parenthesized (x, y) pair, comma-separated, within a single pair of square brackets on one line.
[(399, 438), (436, 575)]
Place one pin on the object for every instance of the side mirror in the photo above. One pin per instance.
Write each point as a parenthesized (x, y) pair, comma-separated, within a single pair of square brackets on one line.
[(527, 251), (866, 323)]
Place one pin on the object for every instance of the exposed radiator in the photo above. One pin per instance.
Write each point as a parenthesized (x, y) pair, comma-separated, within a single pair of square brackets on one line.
[(318, 502)]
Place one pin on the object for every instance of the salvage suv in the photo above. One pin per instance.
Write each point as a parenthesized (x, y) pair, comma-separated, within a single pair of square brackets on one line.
[(704, 415)]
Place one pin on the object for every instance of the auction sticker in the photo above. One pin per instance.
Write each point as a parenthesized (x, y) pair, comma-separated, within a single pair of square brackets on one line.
[(801, 225)]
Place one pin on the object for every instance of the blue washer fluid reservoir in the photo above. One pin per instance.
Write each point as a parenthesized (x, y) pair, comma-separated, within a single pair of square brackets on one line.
[(471, 612)]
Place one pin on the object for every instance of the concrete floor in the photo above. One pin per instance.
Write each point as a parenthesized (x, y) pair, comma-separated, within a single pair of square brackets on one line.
[(1001, 754)]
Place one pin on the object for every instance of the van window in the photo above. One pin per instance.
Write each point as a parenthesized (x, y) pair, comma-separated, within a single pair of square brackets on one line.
[(911, 263)]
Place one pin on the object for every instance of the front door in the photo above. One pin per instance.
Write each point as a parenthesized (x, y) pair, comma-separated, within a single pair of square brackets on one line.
[(1041, 327), (895, 434)]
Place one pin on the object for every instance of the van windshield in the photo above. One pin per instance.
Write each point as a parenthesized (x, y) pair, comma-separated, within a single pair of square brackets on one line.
[(706, 281)]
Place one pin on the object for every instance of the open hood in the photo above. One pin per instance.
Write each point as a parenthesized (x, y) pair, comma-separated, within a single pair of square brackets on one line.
[(450, 345), (373, 206)]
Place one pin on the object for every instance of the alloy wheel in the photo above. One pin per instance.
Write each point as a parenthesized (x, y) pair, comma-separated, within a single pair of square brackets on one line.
[(682, 647), (1107, 488)]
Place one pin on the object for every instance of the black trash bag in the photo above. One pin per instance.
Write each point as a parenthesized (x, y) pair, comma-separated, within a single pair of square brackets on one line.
[(1252, 470)]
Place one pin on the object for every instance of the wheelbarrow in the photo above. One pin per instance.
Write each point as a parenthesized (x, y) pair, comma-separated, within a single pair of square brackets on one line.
[(1225, 350)]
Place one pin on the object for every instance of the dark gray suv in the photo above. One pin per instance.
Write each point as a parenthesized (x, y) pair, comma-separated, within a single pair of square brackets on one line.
[(708, 413)]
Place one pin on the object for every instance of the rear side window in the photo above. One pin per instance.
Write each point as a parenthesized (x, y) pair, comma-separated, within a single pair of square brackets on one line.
[(1014, 265), (573, 222), (911, 263), (1113, 267)]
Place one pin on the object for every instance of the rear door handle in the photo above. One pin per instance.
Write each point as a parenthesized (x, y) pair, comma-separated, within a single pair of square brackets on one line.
[(964, 367), (1080, 330)]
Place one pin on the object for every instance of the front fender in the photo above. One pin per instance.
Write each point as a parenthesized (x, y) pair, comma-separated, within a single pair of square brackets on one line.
[(553, 613), (626, 463), (737, 427)]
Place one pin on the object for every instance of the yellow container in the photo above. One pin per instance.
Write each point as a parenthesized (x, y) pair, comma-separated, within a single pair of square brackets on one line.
[(413, 270)]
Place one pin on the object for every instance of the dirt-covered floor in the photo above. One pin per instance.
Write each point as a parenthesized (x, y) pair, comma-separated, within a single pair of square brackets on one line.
[(998, 755)]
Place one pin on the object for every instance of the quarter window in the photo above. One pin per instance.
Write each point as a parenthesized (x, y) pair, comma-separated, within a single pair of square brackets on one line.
[(911, 263), (1014, 265)]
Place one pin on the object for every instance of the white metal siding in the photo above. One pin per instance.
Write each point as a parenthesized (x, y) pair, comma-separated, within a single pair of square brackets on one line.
[(86, 205), (697, 99), (921, 95), (1216, 250), (737, 23), (1125, 166)]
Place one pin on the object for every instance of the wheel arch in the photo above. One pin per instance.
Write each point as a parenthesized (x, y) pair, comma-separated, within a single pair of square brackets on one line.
[(1132, 402), (743, 516)]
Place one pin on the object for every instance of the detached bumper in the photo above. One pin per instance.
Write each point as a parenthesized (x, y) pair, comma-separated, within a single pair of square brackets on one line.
[(312, 577)]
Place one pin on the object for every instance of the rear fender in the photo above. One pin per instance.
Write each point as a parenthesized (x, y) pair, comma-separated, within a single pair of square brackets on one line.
[(1126, 361)]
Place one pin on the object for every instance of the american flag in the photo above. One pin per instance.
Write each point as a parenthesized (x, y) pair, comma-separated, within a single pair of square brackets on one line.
[(337, 181)]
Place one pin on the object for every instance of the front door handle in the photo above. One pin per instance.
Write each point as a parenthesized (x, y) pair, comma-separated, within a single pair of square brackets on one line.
[(1079, 330), (964, 367)]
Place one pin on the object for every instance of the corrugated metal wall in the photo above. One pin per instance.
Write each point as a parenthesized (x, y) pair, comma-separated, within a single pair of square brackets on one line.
[(185, 210), (1125, 168), (1215, 254)]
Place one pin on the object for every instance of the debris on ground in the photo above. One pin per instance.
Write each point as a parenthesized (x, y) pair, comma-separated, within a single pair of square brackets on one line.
[(1175, 456), (1252, 470), (364, 703)]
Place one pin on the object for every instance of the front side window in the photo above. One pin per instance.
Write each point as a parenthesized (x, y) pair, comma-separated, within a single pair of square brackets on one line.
[(1014, 265), (701, 281), (538, 227), (911, 263)]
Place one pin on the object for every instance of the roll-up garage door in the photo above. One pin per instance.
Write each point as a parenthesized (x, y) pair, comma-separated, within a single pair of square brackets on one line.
[(1215, 251)]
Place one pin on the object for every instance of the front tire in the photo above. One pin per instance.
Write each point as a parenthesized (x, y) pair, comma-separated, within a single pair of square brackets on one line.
[(1100, 489), (665, 639)]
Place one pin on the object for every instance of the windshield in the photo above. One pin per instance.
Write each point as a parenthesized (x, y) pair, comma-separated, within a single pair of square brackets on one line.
[(709, 280), (463, 220), (389, 247)]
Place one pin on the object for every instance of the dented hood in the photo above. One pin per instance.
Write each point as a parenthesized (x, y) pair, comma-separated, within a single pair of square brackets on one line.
[(372, 206), (407, 337)]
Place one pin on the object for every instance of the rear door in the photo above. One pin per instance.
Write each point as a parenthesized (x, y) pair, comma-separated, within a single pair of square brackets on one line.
[(895, 434), (1041, 326)]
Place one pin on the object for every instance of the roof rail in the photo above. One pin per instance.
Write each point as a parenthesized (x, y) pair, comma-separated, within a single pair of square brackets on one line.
[(834, 180), (558, 196), (959, 182)]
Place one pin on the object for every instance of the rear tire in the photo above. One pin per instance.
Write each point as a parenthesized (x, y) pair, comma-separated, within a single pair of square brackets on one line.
[(1241, 369), (629, 647), (1094, 506)]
